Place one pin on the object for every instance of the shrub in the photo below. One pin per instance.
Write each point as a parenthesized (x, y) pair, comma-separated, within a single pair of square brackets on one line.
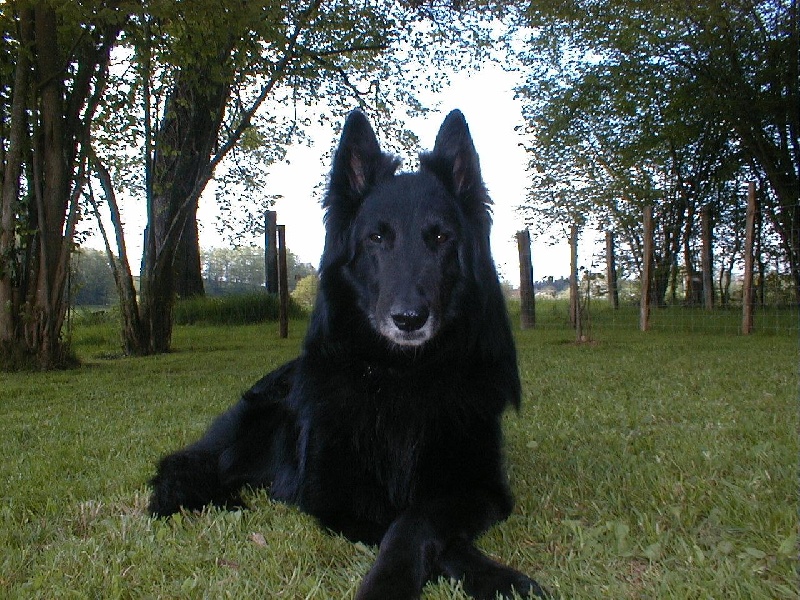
[(254, 307), (305, 292)]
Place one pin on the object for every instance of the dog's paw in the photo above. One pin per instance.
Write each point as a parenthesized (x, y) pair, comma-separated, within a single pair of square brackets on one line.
[(389, 582), (189, 481), (386, 590), (504, 583), (485, 578)]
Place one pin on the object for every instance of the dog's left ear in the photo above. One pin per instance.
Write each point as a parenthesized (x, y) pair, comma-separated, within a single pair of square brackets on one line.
[(455, 161)]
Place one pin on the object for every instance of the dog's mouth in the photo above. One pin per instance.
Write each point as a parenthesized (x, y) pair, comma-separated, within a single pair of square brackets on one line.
[(407, 330)]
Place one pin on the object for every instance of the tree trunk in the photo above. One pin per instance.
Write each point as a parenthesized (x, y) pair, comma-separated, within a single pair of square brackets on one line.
[(669, 221), (182, 164), (157, 303), (747, 283), (724, 286), (133, 336), (55, 108), (181, 169), (707, 258), (52, 196), (574, 301), (692, 289), (647, 262), (12, 173), (760, 266), (783, 175), (188, 268), (661, 275)]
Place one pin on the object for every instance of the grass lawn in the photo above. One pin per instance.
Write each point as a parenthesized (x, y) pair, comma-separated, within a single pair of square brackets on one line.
[(657, 465)]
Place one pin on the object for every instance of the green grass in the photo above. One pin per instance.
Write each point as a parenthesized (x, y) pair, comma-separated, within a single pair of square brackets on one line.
[(657, 465)]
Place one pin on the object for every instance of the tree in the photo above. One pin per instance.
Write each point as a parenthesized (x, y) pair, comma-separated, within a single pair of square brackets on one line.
[(222, 93), (668, 82), (599, 159), (57, 59)]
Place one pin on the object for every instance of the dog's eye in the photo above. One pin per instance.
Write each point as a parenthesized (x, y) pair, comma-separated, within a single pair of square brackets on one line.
[(437, 238), (375, 238)]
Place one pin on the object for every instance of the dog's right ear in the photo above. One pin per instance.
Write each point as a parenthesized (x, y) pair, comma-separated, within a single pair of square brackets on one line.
[(358, 165)]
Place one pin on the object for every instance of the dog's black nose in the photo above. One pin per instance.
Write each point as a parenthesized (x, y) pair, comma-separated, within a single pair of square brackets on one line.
[(411, 320)]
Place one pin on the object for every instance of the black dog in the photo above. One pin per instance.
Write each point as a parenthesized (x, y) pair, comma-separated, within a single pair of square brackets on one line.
[(387, 427)]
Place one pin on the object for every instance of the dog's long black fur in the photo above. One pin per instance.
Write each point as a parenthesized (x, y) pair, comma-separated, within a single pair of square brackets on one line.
[(386, 428)]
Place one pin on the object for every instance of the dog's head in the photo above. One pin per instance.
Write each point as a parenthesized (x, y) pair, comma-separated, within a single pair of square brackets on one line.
[(412, 247)]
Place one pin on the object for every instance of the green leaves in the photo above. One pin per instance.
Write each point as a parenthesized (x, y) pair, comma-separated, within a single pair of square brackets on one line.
[(632, 103)]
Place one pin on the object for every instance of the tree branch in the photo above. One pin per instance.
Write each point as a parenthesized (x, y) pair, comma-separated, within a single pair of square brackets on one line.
[(177, 225), (343, 51), (277, 74), (124, 279), (341, 72)]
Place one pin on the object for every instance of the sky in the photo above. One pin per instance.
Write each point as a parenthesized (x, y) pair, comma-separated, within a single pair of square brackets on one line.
[(487, 100)]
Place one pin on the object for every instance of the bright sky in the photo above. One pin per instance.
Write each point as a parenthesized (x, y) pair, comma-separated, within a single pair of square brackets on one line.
[(487, 100)]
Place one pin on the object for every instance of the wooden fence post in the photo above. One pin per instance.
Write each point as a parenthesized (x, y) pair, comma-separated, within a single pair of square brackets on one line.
[(574, 300), (747, 284), (283, 287), (647, 267), (526, 292), (271, 251), (611, 271)]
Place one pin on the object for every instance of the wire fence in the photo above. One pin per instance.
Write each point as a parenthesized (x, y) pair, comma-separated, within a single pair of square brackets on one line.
[(597, 314)]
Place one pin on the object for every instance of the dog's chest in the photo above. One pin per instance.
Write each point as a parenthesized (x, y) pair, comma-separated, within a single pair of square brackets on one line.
[(392, 442), (386, 430)]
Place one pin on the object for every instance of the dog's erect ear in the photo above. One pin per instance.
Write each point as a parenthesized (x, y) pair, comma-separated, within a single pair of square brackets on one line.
[(455, 161), (357, 154), (358, 165)]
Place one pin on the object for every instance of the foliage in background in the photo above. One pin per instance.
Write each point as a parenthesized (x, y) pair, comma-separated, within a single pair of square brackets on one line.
[(91, 282), (305, 293), (243, 267), (223, 90), (630, 103), (226, 271), (147, 100), (675, 105)]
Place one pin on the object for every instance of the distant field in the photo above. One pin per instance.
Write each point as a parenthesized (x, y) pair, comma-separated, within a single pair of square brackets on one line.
[(645, 465)]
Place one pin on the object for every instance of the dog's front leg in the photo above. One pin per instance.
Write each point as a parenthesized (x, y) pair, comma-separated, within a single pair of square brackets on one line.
[(407, 558), (410, 556), (436, 539), (252, 443)]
